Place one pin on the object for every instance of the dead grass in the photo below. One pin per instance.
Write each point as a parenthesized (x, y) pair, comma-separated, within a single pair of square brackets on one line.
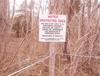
[(83, 47)]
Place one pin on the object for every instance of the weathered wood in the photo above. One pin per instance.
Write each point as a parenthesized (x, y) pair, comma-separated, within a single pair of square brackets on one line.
[(52, 50)]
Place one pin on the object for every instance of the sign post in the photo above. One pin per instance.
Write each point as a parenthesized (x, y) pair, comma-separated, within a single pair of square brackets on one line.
[(52, 29)]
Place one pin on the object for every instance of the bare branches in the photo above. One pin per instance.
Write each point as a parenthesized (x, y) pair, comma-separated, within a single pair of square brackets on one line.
[(25, 55)]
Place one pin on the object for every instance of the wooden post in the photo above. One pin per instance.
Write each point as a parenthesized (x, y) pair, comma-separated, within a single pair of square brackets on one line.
[(52, 50)]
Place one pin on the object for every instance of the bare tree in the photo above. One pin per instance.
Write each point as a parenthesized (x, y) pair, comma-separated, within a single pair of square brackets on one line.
[(3, 15), (4, 28)]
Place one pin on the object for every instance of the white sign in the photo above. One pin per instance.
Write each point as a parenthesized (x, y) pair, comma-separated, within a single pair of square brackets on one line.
[(52, 28)]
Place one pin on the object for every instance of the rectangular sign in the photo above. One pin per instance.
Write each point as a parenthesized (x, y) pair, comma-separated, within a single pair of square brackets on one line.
[(52, 28)]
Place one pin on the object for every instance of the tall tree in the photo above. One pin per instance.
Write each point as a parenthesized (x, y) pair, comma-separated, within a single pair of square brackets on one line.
[(4, 28), (3, 14), (66, 7)]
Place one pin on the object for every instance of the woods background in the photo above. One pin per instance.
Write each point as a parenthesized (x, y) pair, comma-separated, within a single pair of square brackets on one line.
[(21, 54)]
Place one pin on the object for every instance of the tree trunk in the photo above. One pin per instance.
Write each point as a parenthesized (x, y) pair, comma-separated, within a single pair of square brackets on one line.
[(3, 15), (4, 27)]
